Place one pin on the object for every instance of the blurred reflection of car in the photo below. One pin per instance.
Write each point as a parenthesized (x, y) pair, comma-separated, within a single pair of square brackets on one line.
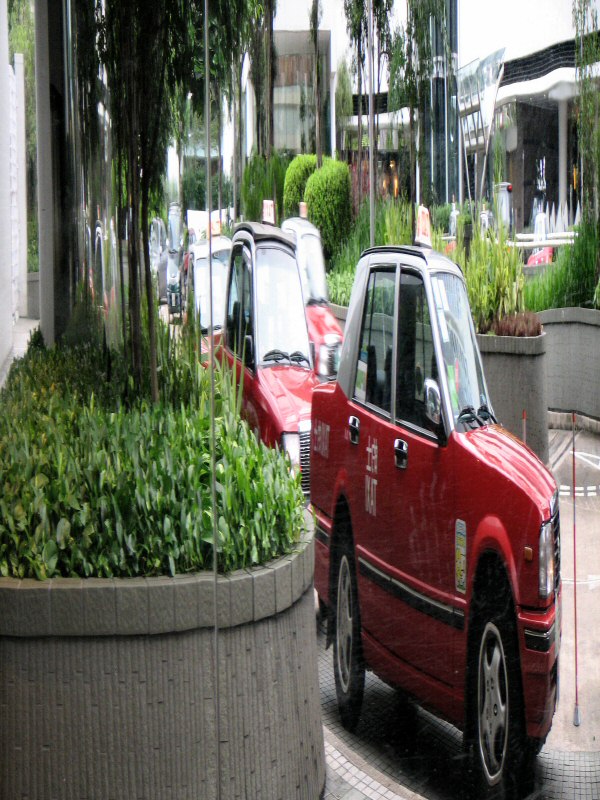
[(265, 339), (324, 331), (158, 257), (198, 274), (174, 289)]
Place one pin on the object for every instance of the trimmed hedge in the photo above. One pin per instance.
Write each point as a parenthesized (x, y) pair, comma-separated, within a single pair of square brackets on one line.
[(298, 172), (327, 195)]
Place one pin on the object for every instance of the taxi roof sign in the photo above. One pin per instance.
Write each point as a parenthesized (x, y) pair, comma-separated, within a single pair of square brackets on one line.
[(423, 232), (268, 213), (215, 227), (303, 210)]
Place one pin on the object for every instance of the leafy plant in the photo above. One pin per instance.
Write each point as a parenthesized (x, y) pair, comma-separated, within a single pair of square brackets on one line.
[(572, 279), (263, 179), (522, 323), (96, 486)]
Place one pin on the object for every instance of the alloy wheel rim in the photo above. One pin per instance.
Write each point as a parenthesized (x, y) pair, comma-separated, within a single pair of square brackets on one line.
[(344, 624), (493, 706)]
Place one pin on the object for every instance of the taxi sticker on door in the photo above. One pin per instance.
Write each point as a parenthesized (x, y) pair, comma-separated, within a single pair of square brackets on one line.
[(460, 556)]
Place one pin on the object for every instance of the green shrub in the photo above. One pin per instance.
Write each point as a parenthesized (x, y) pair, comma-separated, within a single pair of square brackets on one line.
[(392, 226), (327, 196), (298, 172), (572, 279), (263, 179), (91, 487)]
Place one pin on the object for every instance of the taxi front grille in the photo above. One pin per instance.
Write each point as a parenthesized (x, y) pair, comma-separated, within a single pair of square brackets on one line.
[(305, 460)]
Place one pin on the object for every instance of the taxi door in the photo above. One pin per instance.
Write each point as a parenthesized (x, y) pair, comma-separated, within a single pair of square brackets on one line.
[(406, 543)]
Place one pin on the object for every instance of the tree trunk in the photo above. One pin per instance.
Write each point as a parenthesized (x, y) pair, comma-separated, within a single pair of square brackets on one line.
[(359, 165), (220, 166), (149, 296)]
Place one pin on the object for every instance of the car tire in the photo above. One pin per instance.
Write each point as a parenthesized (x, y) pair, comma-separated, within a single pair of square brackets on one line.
[(497, 741), (348, 664)]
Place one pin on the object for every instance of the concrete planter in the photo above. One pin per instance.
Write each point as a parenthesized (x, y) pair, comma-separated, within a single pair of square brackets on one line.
[(515, 372), (573, 336), (108, 686)]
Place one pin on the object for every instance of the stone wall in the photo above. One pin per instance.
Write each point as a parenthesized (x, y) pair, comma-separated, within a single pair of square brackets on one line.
[(109, 687), (573, 366)]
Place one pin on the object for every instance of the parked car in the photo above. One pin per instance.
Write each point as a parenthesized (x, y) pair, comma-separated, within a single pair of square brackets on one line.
[(174, 272), (158, 257), (198, 275), (323, 328), (266, 339), (437, 546)]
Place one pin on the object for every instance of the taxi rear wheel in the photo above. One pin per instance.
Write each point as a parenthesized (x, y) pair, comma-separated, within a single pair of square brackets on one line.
[(348, 664)]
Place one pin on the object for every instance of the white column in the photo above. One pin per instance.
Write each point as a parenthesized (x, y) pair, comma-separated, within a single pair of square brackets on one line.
[(6, 324), (44, 172), (562, 153), (332, 118), (21, 182)]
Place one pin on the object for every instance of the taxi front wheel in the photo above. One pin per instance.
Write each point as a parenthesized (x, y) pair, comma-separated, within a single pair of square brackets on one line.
[(496, 727), (348, 665)]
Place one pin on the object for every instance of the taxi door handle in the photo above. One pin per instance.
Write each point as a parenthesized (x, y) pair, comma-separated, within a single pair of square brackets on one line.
[(354, 428), (400, 453)]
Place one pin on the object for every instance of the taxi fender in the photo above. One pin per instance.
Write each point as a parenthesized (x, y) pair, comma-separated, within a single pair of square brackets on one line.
[(492, 536)]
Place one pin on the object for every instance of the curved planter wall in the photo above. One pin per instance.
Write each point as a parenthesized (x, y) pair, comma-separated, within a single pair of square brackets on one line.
[(515, 373), (573, 336), (108, 686)]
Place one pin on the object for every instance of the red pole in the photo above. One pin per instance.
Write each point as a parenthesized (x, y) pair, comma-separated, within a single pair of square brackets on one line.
[(576, 713)]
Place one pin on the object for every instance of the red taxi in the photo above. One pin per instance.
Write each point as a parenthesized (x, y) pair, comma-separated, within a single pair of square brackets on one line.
[(437, 553), (265, 339)]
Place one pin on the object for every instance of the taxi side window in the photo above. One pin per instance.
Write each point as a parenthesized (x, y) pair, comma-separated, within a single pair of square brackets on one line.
[(416, 355), (373, 382), (239, 302)]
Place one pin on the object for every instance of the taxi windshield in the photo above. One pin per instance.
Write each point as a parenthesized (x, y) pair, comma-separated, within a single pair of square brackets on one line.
[(281, 323), (462, 363), (312, 266)]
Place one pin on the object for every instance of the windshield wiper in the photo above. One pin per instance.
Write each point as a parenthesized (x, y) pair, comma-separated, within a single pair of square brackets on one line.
[(276, 355), (297, 356), (468, 415), (485, 414)]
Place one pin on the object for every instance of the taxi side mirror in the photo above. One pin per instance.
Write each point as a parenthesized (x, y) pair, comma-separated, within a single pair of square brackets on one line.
[(433, 407)]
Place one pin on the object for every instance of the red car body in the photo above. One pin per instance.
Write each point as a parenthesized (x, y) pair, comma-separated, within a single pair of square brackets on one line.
[(324, 330), (427, 500), (265, 340)]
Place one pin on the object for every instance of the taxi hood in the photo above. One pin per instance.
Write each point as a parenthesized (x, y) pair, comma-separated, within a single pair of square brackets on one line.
[(501, 450), (288, 391)]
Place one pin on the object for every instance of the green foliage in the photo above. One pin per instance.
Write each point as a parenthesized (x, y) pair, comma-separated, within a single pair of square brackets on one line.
[(392, 226), (494, 276), (263, 179), (440, 217), (194, 188), (296, 176), (572, 279), (343, 96), (94, 487), (327, 195)]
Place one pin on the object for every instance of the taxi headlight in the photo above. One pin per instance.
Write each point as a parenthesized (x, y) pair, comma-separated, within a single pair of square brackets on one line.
[(290, 442)]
